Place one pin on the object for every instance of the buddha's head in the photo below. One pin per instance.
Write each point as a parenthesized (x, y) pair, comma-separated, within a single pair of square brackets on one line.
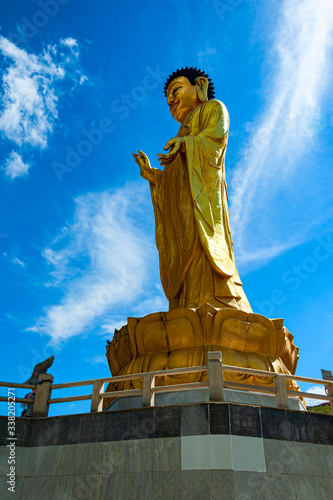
[(185, 90)]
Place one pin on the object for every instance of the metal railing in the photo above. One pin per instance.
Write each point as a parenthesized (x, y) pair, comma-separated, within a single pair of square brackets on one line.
[(216, 385)]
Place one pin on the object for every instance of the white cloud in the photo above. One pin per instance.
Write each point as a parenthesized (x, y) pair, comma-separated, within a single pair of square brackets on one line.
[(29, 100), (102, 261), (18, 262), (29, 95), (14, 166), (70, 42), (109, 328), (316, 389), (273, 181), (100, 359)]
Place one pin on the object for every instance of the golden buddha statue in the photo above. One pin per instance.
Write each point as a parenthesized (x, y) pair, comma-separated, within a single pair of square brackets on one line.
[(197, 264), (208, 309)]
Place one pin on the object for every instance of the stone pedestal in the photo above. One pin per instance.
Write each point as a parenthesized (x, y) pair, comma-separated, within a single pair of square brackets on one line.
[(205, 451), (182, 337)]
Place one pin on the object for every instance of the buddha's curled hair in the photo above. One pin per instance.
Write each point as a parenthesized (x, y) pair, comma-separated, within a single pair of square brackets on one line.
[(191, 74)]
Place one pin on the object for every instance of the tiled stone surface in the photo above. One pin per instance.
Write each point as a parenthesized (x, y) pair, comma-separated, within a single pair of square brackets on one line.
[(166, 485), (279, 456), (322, 428), (138, 455), (3, 460), (298, 458), (196, 453), (23, 430), (113, 457), (3, 430), (58, 488), (274, 424), (250, 485), (87, 459), (311, 459), (194, 420), (312, 487), (115, 425), (219, 418), (91, 428), (36, 488), (248, 453), (279, 486), (69, 429), (121, 486), (299, 425), (245, 420), (167, 421), (141, 424), (65, 459), (222, 485), (138, 485), (41, 461), (196, 484), (87, 487), (174, 421), (5, 494), (45, 432), (221, 452), (21, 457), (166, 454)]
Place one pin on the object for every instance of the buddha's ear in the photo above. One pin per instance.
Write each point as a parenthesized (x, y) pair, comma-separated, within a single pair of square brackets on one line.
[(201, 84)]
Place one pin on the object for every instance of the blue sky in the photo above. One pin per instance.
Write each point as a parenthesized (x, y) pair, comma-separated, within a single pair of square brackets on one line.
[(82, 89)]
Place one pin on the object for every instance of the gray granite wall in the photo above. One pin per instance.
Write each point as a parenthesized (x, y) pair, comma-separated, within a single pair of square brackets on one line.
[(200, 451)]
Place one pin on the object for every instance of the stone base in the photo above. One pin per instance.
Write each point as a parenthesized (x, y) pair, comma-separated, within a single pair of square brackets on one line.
[(200, 396), (196, 451), (182, 338)]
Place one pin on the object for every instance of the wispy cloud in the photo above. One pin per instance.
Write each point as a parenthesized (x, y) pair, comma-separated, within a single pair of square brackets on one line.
[(29, 95), (14, 166), (273, 178), (70, 42), (205, 57), (102, 261), (316, 389), (18, 262), (99, 359)]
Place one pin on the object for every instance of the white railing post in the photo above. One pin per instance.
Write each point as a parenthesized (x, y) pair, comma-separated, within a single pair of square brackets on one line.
[(148, 396), (96, 400), (281, 396), (330, 393), (215, 376), (43, 394)]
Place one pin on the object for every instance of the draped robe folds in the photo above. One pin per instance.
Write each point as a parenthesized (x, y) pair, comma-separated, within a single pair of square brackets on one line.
[(192, 227)]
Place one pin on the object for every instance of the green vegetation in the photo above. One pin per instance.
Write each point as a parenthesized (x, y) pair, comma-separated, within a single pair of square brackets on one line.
[(325, 408)]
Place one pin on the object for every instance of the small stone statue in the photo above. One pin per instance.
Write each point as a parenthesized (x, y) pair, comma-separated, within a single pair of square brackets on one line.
[(33, 380), (39, 368)]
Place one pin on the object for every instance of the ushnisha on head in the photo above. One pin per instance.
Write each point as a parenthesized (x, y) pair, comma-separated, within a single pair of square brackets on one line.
[(185, 90)]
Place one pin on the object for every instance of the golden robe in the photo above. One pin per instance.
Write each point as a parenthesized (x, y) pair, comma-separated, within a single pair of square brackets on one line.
[(192, 227)]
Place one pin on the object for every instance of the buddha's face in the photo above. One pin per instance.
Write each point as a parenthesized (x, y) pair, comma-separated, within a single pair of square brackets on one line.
[(182, 98)]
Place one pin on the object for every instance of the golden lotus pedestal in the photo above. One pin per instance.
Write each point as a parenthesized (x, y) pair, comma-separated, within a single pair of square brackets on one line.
[(182, 337)]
